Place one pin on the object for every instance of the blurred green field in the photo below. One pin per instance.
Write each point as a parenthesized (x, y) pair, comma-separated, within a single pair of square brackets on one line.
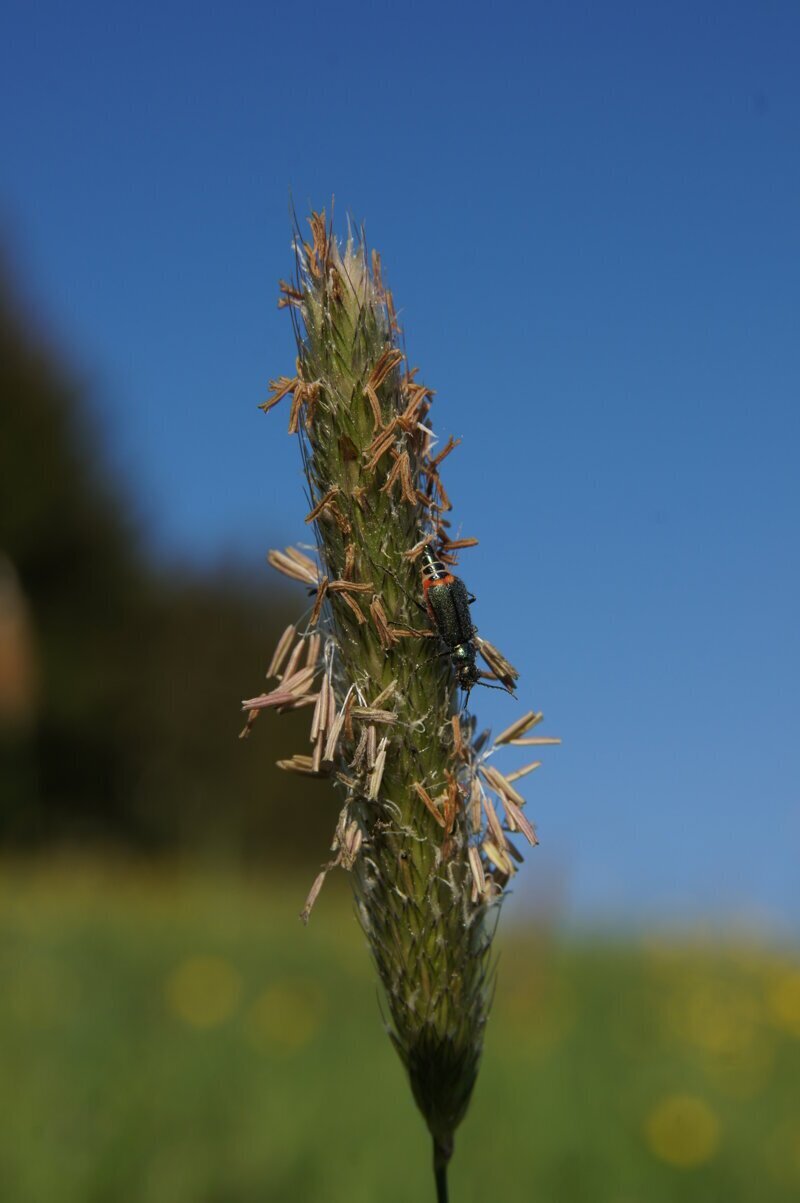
[(174, 1037)]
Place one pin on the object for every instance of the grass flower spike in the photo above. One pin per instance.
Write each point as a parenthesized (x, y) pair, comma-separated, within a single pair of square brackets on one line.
[(428, 828)]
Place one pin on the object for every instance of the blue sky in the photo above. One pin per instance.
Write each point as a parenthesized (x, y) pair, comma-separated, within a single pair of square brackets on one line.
[(590, 218)]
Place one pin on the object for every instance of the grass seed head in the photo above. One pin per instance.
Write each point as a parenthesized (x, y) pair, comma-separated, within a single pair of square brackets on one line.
[(427, 849)]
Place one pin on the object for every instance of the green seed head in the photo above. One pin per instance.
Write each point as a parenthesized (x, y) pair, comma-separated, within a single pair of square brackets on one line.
[(427, 849)]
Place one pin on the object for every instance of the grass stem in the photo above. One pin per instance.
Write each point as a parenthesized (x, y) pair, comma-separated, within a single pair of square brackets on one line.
[(441, 1160)]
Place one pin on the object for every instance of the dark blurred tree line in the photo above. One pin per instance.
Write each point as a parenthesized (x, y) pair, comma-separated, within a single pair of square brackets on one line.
[(119, 684)]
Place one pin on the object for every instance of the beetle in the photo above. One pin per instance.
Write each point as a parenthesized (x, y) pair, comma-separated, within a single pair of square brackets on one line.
[(447, 602)]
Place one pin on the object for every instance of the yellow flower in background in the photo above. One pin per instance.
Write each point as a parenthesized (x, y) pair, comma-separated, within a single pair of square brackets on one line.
[(784, 1002), (682, 1130), (203, 991), (718, 1016), (726, 1021), (285, 1016), (722, 1019)]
